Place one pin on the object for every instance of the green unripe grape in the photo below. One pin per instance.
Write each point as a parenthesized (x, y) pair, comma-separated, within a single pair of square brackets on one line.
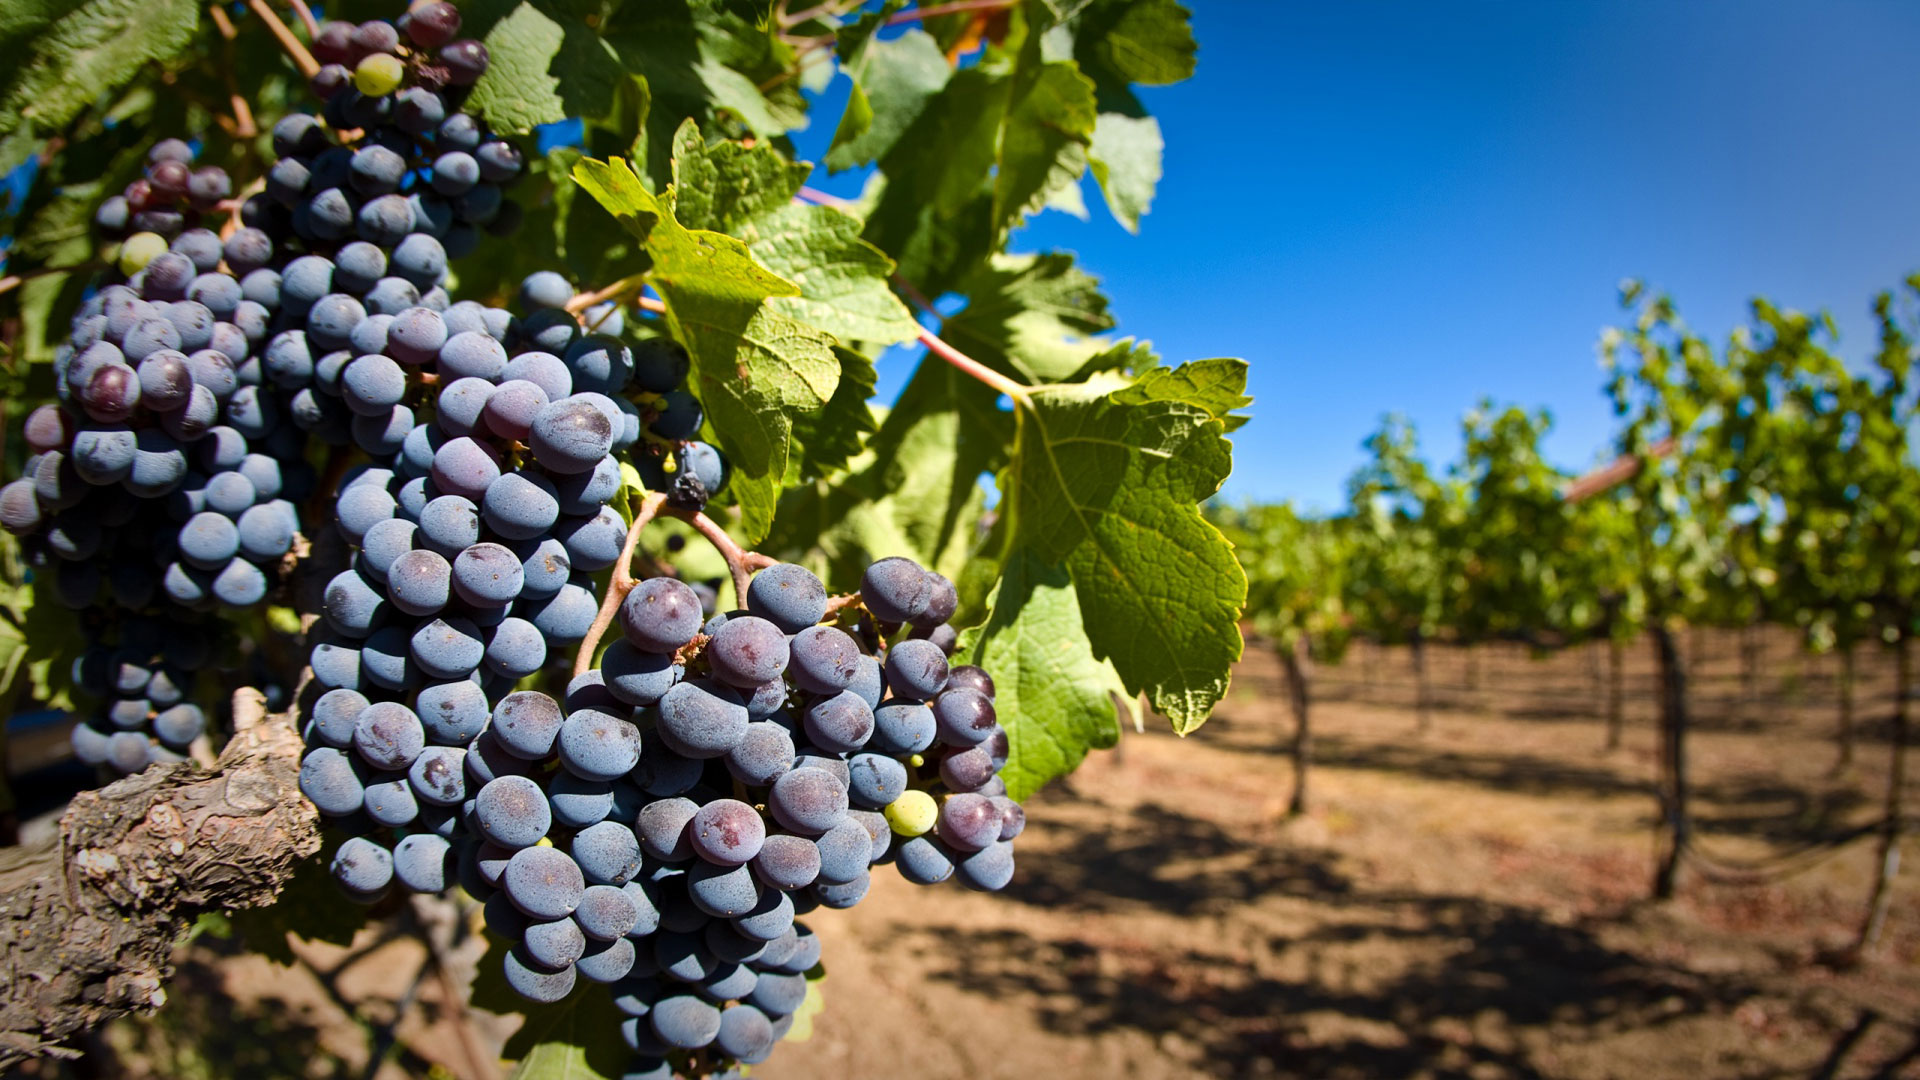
[(379, 75), (140, 249), (912, 814)]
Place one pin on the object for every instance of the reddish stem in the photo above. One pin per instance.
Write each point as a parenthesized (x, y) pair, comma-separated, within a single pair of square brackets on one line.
[(838, 604), (740, 563), (620, 585), (289, 44), (306, 18), (955, 8), (972, 367)]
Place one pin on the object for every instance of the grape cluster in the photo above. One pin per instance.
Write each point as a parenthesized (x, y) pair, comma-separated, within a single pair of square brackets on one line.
[(162, 472), (661, 826), (420, 180), (141, 681), (171, 197)]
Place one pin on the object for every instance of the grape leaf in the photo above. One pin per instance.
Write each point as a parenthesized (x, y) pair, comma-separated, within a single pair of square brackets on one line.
[(1137, 41), (579, 1039), (1105, 479), (830, 439), (915, 489), (939, 164), (544, 67), (1218, 386), (686, 61), (1055, 698), (58, 58), (892, 84), (842, 278), (753, 367), (726, 185), (1126, 161), (747, 192), (1043, 140), (1028, 316), (851, 40)]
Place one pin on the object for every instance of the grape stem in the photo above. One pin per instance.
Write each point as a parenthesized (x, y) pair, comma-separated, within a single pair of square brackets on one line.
[(740, 563), (933, 342), (914, 14), (838, 604), (968, 365), (624, 291), (243, 126), (585, 300), (621, 583), (289, 44), (306, 18)]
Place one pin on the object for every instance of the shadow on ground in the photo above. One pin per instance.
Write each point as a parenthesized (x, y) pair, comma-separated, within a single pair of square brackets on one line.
[(1479, 971)]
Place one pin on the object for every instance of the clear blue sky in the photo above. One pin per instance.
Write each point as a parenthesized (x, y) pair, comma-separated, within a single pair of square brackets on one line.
[(1400, 207)]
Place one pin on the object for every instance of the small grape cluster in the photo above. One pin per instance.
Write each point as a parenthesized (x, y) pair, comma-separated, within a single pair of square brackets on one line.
[(142, 681), (421, 178), (162, 433), (171, 197)]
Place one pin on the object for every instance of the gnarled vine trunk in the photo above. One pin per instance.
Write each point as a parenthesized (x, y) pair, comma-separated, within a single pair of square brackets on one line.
[(88, 921)]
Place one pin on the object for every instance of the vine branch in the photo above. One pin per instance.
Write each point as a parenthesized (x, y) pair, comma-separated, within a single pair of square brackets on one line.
[(624, 291), (243, 125), (91, 917), (289, 44)]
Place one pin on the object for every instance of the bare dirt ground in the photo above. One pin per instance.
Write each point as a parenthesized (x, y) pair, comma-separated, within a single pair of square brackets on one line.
[(1468, 902)]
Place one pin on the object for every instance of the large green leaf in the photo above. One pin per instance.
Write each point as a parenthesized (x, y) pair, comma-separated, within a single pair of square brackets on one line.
[(827, 441), (726, 185), (1043, 141), (940, 437), (892, 83), (1055, 698), (843, 279), (546, 65), (753, 367), (1135, 41), (58, 58), (916, 488), (1106, 479)]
